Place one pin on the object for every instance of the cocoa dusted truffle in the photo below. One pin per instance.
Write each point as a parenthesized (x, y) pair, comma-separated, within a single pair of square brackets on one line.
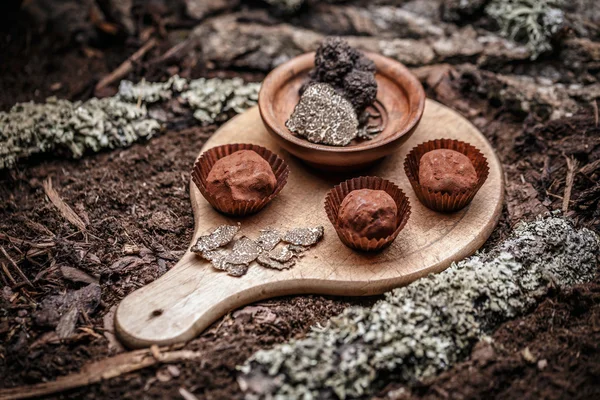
[(241, 176), (346, 69), (369, 213), (445, 170)]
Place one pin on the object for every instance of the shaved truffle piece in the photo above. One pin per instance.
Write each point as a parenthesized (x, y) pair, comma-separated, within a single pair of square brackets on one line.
[(304, 236), (241, 176), (283, 257), (236, 260), (323, 116), (268, 239), (245, 250), (268, 262), (368, 213), (237, 269), (282, 254), (216, 258), (448, 171), (221, 236)]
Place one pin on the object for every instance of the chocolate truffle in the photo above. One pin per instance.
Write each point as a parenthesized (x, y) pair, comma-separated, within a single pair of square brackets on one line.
[(369, 213), (241, 176), (445, 170)]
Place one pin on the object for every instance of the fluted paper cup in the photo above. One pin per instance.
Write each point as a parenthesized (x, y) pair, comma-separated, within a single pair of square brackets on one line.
[(334, 199), (237, 207), (445, 201)]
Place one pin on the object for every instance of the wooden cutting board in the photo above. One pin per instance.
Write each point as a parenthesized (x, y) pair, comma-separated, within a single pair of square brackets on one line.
[(192, 295)]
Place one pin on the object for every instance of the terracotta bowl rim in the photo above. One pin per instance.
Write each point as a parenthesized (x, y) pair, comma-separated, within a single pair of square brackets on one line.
[(416, 103)]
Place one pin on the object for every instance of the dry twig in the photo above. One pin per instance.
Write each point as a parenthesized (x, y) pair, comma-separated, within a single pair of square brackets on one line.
[(571, 167), (15, 265), (98, 371), (63, 207), (9, 276), (589, 168), (126, 67)]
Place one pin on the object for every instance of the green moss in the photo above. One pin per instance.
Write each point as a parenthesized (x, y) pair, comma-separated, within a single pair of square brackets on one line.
[(425, 327)]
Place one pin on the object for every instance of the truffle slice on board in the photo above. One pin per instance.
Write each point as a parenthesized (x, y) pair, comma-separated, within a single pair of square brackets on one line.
[(268, 239), (219, 237), (304, 236)]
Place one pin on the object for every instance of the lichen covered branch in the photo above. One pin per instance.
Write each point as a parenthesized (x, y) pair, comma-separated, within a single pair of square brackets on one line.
[(421, 329), (74, 128)]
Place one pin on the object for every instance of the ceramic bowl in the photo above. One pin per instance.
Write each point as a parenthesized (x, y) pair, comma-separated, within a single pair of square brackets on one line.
[(400, 102)]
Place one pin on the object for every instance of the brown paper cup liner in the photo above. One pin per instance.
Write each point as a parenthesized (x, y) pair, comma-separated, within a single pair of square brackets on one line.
[(232, 207), (334, 199), (442, 201)]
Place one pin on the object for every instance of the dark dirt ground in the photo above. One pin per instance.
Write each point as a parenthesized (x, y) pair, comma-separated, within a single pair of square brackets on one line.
[(135, 205)]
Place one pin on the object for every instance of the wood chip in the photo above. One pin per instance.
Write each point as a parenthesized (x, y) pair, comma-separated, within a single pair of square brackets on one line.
[(187, 395), (66, 324), (76, 275), (65, 210), (109, 331)]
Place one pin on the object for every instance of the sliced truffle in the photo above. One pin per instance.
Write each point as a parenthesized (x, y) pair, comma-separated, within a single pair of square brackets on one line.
[(241, 176), (368, 213), (268, 239), (236, 260), (282, 254), (444, 170), (304, 236), (323, 116), (268, 262), (282, 257), (237, 269), (217, 258), (245, 250), (219, 237)]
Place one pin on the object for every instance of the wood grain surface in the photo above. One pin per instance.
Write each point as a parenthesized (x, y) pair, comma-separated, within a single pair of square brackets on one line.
[(192, 295)]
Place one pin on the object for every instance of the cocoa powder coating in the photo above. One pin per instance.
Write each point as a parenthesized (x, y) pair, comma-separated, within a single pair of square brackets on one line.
[(445, 170), (368, 213), (241, 176)]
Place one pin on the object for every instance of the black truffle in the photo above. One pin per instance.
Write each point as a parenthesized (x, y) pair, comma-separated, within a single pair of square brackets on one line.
[(333, 60), (360, 88), (346, 69)]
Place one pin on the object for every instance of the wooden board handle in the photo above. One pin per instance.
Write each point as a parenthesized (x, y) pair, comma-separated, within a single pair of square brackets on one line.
[(184, 302)]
